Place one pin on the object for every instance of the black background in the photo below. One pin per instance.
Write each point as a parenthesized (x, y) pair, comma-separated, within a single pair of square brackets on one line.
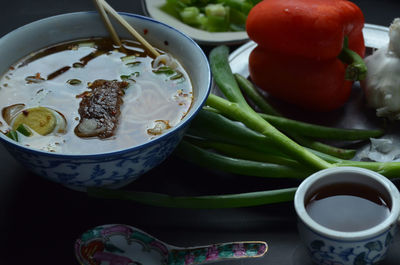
[(40, 220)]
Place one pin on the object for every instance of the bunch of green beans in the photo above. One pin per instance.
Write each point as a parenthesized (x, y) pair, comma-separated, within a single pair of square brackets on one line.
[(229, 135)]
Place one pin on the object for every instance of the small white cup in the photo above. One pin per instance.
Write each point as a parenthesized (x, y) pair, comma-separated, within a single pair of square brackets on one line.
[(328, 246)]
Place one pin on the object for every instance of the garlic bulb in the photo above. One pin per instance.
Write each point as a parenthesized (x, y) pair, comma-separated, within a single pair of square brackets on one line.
[(382, 84)]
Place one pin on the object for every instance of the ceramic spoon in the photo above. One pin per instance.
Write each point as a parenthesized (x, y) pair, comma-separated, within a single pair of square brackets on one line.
[(117, 244)]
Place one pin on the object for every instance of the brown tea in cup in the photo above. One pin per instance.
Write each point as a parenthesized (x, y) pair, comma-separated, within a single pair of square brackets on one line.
[(347, 207)]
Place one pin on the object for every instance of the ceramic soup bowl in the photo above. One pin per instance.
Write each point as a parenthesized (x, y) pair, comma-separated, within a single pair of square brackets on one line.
[(115, 168)]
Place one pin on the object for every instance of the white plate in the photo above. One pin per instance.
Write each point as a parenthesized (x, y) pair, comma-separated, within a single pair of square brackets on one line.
[(152, 8), (374, 36)]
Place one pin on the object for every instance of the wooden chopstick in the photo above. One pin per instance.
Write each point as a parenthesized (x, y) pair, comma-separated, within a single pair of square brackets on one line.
[(128, 27), (107, 23)]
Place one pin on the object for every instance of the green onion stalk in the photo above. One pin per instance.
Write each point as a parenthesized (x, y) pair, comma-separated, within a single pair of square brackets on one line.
[(305, 133), (198, 202), (236, 106), (229, 135)]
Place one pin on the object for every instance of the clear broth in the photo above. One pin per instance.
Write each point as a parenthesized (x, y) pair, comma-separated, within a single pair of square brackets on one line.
[(149, 98)]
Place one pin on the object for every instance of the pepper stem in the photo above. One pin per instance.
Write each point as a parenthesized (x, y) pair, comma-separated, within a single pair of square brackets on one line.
[(356, 69)]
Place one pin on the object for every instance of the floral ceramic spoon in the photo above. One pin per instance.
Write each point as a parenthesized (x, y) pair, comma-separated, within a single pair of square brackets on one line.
[(118, 244)]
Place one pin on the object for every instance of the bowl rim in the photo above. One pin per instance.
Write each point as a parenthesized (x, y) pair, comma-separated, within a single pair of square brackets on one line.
[(185, 121), (332, 234)]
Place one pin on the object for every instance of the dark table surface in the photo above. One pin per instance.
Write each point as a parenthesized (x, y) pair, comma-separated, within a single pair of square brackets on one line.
[(40, 220)]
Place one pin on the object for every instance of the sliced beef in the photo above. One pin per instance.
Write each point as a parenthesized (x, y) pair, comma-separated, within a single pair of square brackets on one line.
[(100, 109)]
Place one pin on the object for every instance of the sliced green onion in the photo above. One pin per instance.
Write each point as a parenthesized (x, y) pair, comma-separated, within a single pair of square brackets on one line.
[(24, 130), (136, 74), (78, 65), (164, 70), (130, 77), (176, 76), (133, 63), (34, 79), (12, 135), (128, 58), (74, 82)]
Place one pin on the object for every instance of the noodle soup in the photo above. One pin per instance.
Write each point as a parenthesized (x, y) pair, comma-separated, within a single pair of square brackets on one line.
[(88, 96)]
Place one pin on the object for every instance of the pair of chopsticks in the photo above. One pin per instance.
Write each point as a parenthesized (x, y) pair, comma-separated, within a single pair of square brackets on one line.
[(104, 8)]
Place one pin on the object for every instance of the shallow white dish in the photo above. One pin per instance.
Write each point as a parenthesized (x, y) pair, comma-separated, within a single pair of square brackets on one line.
[(152, 9)]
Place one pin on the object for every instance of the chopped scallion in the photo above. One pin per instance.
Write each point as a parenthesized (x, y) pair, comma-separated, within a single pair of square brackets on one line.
[(164, 70), (34, 79), (176, 76), (74, 82), (12, 135), (24, 130), (133, 63), (130, 77), (78, 65), (128, 57)]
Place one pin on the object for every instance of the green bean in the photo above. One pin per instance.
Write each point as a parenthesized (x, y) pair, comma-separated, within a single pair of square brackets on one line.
[(237, 106), (197, 202), (208, 159)]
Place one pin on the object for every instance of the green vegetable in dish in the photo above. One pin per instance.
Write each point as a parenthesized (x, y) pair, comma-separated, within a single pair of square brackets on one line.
[(12, 135), (24, 130), (211, 15)]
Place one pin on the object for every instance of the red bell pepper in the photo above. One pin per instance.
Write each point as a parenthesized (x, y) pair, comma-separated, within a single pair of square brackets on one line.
[(304, 48)]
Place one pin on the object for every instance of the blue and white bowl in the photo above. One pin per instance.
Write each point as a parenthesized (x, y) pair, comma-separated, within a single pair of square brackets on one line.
[(327, 246), (118, 168)]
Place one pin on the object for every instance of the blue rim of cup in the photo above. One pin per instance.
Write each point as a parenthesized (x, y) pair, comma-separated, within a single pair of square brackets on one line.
[(302, 214), (183, 123)]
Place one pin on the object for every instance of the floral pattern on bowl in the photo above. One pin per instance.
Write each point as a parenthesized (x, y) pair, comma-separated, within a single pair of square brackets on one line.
[(101, 171), (335, 252)]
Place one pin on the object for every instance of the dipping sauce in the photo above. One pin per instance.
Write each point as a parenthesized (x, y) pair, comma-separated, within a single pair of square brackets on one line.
[(143, 97), (347, 207)]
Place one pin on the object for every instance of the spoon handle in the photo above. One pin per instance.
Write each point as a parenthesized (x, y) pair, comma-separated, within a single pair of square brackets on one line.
[(217, 252)]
